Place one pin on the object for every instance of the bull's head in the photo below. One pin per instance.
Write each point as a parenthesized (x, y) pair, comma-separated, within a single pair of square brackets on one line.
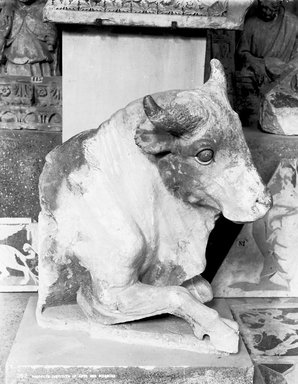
[(201, 152)]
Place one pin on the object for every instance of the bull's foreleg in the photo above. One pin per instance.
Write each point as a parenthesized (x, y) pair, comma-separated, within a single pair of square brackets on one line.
[(199, 288), (139, 301)]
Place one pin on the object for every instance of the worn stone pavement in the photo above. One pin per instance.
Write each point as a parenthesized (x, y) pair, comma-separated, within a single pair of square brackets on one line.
[(12, 306)]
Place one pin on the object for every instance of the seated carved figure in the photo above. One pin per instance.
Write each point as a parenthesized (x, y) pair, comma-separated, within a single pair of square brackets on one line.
[(27, 42), (127, 209), (269, 43)]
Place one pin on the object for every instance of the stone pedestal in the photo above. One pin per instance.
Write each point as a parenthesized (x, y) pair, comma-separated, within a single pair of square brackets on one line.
[(61, 357)]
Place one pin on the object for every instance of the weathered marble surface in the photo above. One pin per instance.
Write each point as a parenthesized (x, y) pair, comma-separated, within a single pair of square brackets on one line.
[(127, 209), (185, 14), (262, 260), (54, 356), (279, 110)]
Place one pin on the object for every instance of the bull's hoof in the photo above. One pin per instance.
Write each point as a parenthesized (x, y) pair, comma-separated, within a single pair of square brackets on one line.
[(225, 336)]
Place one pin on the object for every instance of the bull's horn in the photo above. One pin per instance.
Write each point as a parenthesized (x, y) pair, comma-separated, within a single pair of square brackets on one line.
[(218, 73), (174, 120), (154, 112)]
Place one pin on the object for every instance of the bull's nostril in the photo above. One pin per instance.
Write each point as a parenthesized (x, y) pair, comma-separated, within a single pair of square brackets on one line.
[(264, 202), (267, 202)]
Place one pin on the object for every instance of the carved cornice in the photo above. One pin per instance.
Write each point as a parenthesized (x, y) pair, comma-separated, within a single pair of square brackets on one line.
[(164, 13)]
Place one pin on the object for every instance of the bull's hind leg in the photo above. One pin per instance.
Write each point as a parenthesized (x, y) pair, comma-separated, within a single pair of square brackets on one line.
[(140, 301)]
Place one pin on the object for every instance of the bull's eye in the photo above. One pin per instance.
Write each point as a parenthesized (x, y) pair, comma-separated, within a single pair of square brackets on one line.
[(205, 156)]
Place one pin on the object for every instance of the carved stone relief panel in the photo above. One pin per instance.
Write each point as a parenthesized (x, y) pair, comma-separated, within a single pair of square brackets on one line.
[(194, 14), (269, 330), (168, 7), (30, 103), (18, 255)]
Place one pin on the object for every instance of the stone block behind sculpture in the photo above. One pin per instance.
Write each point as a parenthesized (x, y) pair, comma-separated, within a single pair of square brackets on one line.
[(127, 209), (263, 259)]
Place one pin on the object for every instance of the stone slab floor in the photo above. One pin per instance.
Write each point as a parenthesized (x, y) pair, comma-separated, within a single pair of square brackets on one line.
[(12, 307)]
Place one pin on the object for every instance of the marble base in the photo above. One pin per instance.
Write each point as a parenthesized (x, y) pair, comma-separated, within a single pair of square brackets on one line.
[(41, 355)]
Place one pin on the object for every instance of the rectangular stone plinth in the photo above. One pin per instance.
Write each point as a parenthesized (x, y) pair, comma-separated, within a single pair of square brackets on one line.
[(44, 356)]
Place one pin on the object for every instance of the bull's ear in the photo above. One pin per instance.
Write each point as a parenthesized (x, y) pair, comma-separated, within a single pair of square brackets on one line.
[(218, 73), (155, 141)]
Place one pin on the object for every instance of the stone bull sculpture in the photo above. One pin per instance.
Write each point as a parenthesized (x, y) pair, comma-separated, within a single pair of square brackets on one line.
[(127, 209)]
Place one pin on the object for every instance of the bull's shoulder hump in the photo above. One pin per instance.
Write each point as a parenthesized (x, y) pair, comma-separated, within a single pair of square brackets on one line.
[(61, 162), (70, 155)]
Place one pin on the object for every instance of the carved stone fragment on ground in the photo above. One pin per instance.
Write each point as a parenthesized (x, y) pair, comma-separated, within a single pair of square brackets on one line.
[(263, 259), (279, 112), (127, 210), (269, 328)]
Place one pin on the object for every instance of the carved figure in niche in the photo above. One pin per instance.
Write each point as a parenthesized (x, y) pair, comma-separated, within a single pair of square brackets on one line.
[(268, 44), (27, 43), (127, 210)]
